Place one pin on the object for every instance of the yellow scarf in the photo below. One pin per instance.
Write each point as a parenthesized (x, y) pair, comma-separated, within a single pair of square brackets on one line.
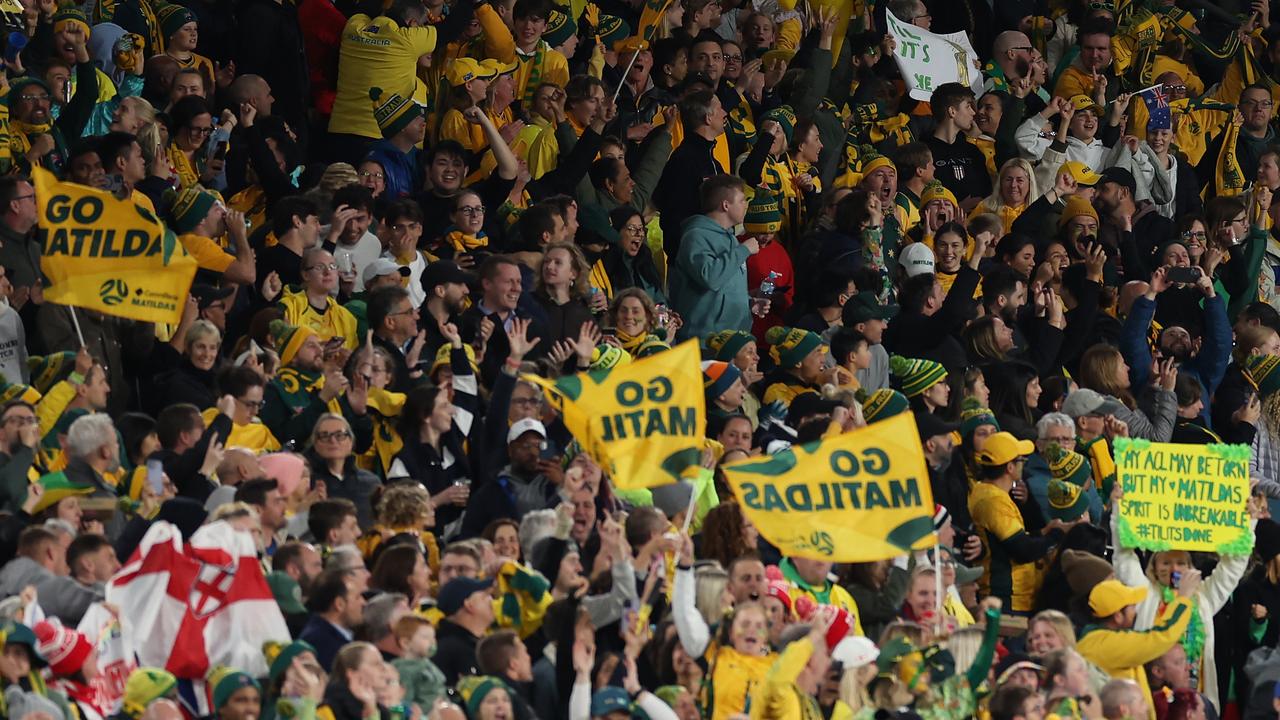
[(21, 139), (188, 174), (461, 242), (252, 201)]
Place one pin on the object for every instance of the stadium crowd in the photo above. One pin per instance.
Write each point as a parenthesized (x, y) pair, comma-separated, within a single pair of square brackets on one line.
[(400, 209)]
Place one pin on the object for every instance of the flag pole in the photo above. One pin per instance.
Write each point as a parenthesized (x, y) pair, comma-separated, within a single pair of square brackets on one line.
[(76, 321), (625, 73), (688, 513), (937, 579)]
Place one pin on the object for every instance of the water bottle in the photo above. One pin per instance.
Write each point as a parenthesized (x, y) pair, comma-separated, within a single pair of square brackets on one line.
[(767, 287)]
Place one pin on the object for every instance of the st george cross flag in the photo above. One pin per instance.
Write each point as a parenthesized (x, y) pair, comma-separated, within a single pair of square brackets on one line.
[(1157, 100), (186, 608)]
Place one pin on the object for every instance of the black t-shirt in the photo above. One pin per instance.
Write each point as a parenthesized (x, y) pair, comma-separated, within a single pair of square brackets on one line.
[(960, 167)]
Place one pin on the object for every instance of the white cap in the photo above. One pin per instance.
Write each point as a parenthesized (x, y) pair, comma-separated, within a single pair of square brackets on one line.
[(380, 267), (523, 426), (916, 259), (854, 652)]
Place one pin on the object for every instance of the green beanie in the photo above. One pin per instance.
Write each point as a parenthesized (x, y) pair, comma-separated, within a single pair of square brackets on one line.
[(790, 346), (916, 375), (560, 27), (884, 404), (1261, 369), (973, 416), (188, 208), (726, 344)]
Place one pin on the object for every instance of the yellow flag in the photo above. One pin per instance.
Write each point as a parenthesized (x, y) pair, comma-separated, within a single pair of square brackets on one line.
[(109, 255), (860, 496), (643, 422)]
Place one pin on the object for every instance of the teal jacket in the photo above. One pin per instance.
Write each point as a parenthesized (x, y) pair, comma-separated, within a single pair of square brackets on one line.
[(708, 280)]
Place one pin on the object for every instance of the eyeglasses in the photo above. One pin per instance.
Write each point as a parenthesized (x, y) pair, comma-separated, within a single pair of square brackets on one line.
[(1026, 48), (335, 436), (368, 174), (34, 98), (200, 130), (21, 419), (254, 405), (1258, 103), (332, 267), (925, 16), (471, 210), (733, 58), (526, 402), (634, 229), (32, 196), (1175, 88), (410, 311)]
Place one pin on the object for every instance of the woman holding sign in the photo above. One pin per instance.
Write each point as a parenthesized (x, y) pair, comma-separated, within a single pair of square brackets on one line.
[(1163, 572)]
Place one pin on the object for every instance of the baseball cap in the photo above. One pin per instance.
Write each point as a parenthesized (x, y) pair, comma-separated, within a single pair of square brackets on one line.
[(441, 272), (1084, 401), (916, 259), (930, 425), (497, 67), (207, 295), (854, 652), (863, 307), (524, 425), (610, 699), (1111, 596), (456, 591), (380, 267), (1003, 447), (464, 69), (1082, 101), (1084, 175), (1121, 177)]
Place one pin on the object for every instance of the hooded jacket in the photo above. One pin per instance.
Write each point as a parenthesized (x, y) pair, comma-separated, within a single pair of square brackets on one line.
[(708, 280)]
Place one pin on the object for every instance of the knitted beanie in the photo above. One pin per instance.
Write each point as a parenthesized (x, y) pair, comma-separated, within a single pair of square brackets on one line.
[(916, 375)]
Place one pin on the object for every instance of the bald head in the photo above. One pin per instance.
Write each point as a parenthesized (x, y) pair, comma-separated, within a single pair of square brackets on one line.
[(254, 90), (1121, 699), (1009, 47), (238, 465)]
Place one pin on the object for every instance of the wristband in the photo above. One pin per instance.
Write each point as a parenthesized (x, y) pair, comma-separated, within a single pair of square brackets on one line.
[(682, 566), (513, 363)]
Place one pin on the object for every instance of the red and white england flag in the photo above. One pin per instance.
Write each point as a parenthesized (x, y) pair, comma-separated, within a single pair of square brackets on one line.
[(188, 608)]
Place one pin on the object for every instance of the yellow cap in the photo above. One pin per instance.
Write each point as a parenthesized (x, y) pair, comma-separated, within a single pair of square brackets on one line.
[(464, 70), (1082, 101), (497, 67), (1003, 447), (1081, 173), (1111, 596)]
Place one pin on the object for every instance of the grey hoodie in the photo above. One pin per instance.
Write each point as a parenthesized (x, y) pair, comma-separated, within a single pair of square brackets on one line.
[(59, 596)]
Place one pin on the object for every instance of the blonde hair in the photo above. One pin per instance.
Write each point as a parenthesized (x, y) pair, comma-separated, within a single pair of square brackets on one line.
[(709, 584), (577, 261), (1060, 623), (963, 646), (995, 201), (337, 176), (200, 329), (1249, 338), (234, 511), (404, 505)]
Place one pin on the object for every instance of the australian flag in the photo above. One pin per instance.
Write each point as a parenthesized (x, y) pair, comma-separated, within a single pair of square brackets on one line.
[(1160, 117)]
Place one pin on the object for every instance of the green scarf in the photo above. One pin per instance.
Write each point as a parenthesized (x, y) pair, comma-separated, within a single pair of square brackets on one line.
[(1193, 639)]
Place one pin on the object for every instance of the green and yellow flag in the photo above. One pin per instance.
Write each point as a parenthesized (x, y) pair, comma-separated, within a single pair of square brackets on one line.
[(643, 422), (860, 496), (109, 255)]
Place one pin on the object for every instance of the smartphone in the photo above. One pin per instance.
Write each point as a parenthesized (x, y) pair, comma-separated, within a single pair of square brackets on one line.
[(220, 152), (609, 332), (155, 475), (1188, 275)]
